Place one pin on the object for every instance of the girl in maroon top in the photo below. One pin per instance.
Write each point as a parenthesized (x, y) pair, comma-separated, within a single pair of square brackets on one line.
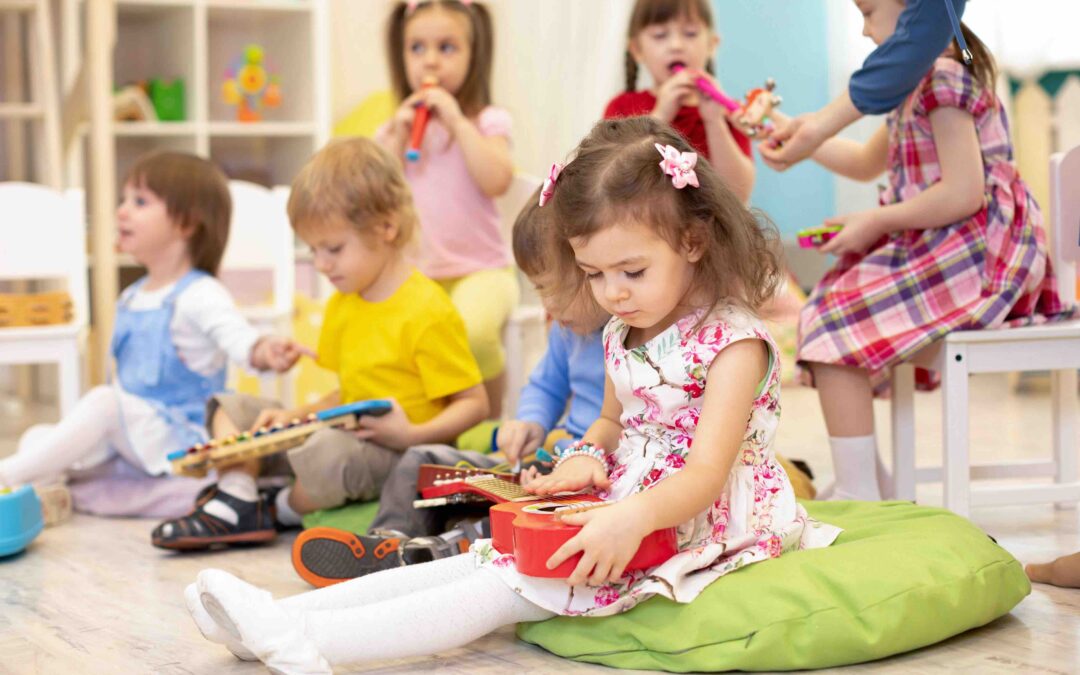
[(664, 33)]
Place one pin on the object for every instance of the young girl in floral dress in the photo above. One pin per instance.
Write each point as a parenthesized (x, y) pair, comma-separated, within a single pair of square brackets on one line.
[(690, 410)]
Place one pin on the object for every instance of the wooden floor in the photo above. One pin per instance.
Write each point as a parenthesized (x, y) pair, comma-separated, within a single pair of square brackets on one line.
[(92, 596)]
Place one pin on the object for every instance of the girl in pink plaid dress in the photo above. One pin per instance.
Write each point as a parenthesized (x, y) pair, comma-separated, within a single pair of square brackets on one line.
[(957, 244)]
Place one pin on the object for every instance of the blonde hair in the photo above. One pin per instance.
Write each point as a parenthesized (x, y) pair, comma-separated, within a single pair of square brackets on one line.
[(357, 181), (196, 196)]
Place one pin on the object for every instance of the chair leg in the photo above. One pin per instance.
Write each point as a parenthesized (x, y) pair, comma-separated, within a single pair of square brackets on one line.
[(1063, 395), (957, 462), (67, 363), (902, 410), (514, 342)]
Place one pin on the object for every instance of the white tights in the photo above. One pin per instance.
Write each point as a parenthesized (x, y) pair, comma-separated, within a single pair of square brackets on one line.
[(91, 427), (409, 611)]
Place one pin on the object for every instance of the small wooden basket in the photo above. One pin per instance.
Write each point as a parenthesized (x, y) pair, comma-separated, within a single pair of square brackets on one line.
[(35, 309)]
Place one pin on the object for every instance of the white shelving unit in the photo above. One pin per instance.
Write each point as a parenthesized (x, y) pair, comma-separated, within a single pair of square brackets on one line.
[(197, 40)]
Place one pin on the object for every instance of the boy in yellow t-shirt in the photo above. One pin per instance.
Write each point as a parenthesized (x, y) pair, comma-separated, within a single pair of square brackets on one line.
[(388, 332)]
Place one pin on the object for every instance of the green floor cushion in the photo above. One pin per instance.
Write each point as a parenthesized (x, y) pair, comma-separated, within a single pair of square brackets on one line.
[(354, 517), (900, 577)]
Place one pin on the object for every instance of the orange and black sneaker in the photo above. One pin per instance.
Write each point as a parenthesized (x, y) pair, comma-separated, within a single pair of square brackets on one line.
[(323, 556)]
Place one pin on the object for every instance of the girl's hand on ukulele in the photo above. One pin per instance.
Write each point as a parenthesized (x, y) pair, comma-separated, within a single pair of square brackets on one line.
[(528, 476), (860, 232), (672, 93), (392, 430), (573, 475), (608, 540), (443, 103), (272, 416)]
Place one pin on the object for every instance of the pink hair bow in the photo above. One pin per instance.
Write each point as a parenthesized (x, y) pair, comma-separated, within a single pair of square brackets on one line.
[(549, 183), (678, 165)]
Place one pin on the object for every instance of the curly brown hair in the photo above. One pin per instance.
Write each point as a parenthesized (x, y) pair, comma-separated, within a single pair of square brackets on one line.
[(475, 93), (615, 177)]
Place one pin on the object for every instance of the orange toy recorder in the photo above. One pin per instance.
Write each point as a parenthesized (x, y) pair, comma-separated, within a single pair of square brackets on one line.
[(412, 153)]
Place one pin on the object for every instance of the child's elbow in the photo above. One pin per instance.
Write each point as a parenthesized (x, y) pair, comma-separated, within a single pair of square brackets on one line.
[(483, 409), (481, 404), (972, 198), (499, 182)]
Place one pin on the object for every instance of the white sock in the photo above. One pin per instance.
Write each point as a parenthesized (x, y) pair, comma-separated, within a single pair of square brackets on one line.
[(369, 589), (239, 484), (426, 621), (855, 464), (420, 623), (285, 513), (391, 583), (250, 616), (209, 628)]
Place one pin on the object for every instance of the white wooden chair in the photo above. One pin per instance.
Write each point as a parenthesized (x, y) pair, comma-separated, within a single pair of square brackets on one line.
[(1052, 347), (261, 240), (526, 324), (44, 237)]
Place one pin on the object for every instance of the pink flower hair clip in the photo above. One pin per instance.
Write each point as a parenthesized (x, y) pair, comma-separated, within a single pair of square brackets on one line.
[(549, 183), (678, 165)]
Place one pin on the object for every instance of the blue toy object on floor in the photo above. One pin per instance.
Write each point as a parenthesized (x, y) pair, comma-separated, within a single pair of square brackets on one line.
[(20, 519)]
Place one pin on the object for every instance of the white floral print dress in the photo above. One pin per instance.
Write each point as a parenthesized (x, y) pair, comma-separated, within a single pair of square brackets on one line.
[(660, 385)]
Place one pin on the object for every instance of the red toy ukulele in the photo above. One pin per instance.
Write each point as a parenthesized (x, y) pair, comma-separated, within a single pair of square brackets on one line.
[(533, 532)]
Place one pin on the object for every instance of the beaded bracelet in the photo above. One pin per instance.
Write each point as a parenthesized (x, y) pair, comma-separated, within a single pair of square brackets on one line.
[(581, 448)]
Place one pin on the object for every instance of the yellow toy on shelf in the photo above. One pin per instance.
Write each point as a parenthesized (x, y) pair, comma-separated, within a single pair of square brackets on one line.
[(250, 86)]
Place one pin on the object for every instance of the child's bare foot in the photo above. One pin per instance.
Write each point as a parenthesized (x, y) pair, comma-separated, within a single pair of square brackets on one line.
[(1064, 572)]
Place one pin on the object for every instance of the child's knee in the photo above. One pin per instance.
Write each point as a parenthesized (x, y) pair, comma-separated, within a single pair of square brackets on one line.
[(101, 400), (334, 468)]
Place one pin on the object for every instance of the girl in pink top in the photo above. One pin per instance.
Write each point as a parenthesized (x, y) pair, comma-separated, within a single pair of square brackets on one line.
[(440, 54)]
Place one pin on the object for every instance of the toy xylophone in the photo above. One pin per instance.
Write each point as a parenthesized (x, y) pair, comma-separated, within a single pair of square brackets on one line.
[(533, 532), (812, 237), (198, 460)]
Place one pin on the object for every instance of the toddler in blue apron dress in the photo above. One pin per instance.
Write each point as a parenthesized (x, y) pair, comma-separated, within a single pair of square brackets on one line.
[(174, 220)]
